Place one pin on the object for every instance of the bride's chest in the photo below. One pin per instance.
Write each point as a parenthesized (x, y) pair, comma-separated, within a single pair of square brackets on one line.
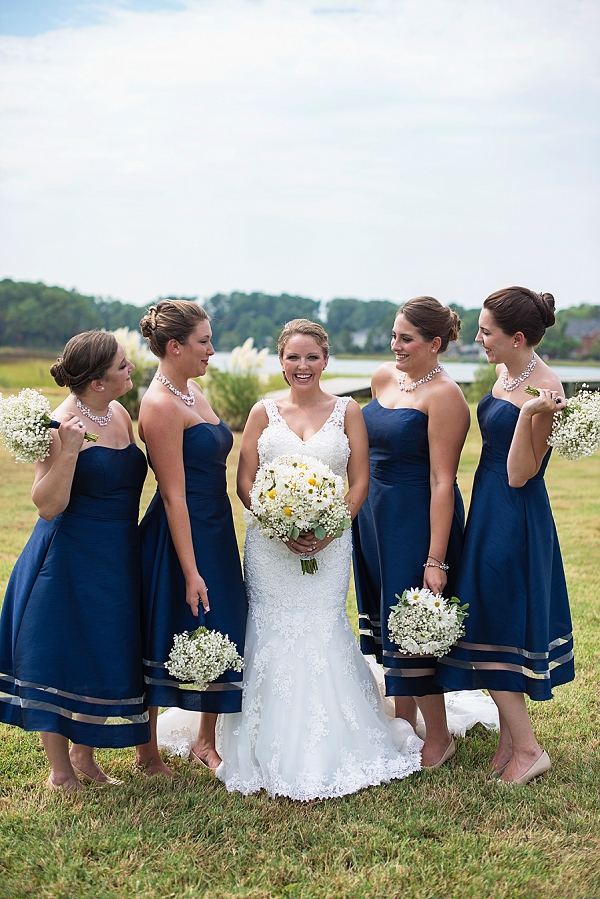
[(330, 445)]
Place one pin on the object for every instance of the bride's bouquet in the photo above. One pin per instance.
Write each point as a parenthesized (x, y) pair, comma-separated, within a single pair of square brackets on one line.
[(200, 657), (25, 425), (576, 428), (297, 494), (424, 623)]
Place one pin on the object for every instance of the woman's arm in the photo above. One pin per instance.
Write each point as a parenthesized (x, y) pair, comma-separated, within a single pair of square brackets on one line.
[(248, 461), (53, 478), (447, 430), (358, 463), (530, 440), (163, 433)]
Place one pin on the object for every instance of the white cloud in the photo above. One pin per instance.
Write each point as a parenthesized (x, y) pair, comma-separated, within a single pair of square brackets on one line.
[(440, 146)]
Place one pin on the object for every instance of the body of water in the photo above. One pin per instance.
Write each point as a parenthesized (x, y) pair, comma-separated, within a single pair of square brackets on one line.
[(462, 372)]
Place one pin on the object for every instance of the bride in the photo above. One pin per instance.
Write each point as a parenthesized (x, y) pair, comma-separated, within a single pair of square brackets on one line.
[(311, 725)]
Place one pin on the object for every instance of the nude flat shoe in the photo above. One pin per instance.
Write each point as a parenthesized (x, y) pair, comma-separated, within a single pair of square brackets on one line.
[(446, 756), (86, 778), (541, 766)]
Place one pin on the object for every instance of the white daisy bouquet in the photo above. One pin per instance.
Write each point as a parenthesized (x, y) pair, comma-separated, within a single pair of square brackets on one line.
[(576, 428), (298, 494), (25, 424), (424, 623), (200, 657)]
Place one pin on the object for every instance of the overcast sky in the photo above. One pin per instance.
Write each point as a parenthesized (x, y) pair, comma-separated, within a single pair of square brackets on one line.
[(364, 148)]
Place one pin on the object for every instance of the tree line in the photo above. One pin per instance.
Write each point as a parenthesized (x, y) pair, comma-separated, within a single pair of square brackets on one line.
[(35, 315)]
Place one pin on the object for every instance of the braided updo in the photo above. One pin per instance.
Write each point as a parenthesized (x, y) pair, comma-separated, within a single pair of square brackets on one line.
[(85, 358), (520, 309)]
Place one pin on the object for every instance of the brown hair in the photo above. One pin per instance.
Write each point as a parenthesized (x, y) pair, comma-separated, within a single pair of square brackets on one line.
[(170, 320), (306, 328), (85, 358), (519, 309), (432, 320)]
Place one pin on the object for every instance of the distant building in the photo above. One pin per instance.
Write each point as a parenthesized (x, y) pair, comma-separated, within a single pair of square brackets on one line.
[(584, 330)]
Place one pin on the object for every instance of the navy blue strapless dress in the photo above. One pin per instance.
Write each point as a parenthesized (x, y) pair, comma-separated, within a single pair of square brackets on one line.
[(391, 540), (70, 636), (166, 613), (518, 633)]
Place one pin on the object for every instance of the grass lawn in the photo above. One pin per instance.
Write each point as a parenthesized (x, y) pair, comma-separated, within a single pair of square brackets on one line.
[(440, 834)]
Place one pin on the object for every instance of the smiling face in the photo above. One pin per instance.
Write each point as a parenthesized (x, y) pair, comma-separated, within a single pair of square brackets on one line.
[(117, 380), (195, 353), (303, 361), (495, 342), (413, 353)]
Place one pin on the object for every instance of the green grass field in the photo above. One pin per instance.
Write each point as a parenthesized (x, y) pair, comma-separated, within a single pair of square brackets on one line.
[(439, 834)]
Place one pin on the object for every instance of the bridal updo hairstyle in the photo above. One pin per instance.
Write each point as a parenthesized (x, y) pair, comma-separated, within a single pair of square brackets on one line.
[(171, 320), (432, 320), (307, 329), (85, 358), (519, 309)]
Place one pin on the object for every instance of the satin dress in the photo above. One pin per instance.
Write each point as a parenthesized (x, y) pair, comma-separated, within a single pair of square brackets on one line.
[(518, 633), (70, 634), (165, 611), (391, 541)]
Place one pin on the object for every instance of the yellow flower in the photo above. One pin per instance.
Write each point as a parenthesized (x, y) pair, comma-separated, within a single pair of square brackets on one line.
[(312, 481), (287, 510), (272, 493)]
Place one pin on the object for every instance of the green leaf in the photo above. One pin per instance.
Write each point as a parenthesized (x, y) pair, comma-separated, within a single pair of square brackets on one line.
[(320, 532)]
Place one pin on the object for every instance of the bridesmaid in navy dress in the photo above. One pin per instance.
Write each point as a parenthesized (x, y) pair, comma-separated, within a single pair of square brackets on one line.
[(409, 531), (191, 569), (518, 633), (70, 637)]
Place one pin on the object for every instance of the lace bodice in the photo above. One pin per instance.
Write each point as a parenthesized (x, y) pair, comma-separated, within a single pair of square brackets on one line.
[(329, 444)]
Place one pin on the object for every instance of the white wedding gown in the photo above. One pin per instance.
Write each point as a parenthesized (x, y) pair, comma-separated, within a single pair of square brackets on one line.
[(312, 724)]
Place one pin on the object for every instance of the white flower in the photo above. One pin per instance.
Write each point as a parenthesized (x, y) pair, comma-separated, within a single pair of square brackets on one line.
[(246, 359), (576, 429), (201, 657), (136, 348), (24, 425), (424, 623)]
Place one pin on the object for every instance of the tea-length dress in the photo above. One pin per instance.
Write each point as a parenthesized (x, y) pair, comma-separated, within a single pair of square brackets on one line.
[(518, 633), (70, 635), (165, 611)]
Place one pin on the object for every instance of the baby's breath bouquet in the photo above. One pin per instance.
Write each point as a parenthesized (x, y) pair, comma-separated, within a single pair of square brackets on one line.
[(200, 657), (424, 623), (297, 494), (576, 428), (25, 425)]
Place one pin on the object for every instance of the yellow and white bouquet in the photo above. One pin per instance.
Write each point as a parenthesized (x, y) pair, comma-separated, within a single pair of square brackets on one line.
[(25, 425), (297, 494), (198, 658), (576, 428), (424, 623)]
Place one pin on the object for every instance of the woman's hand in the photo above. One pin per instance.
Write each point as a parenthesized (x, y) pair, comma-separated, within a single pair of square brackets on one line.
[(435, 579), (306, 544), (71, 433), (196, 592), (547, 401)]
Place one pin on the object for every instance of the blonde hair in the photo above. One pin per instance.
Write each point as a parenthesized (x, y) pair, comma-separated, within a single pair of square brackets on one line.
[(170, 320), (307, 329)]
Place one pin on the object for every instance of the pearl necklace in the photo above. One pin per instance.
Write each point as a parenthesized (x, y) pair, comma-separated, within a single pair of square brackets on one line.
[(522, 377), (101, 420), (415, 384), (188, 398)]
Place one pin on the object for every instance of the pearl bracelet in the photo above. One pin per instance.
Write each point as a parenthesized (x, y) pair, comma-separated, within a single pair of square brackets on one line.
[(442, 566)]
